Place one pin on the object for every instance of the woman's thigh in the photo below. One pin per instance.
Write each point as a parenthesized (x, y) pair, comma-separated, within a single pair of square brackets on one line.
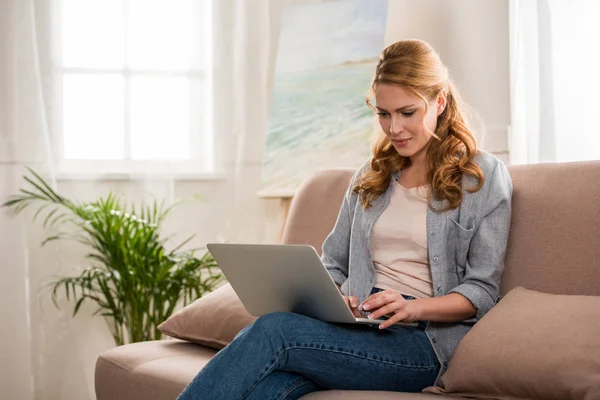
[(348, 356)]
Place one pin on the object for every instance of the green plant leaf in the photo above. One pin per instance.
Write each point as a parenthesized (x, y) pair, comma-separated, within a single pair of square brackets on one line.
[(78, 304), (52, 238)]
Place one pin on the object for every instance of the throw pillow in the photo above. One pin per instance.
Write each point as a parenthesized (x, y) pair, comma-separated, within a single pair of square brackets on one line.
[(212, 320), (531, 345)]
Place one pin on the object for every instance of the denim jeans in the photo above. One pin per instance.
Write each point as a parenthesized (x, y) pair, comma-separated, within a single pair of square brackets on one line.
[(285, 355)]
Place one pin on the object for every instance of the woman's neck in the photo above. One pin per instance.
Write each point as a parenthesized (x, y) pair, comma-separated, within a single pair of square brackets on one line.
[(418, 165), (414, 175)]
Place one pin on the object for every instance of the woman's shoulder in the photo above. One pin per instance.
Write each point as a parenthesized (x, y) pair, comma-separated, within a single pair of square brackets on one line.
[(496, 178), (365, 166), (487, 162)]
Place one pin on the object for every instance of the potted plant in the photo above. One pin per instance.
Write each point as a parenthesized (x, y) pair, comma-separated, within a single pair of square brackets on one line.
[(133, 279)]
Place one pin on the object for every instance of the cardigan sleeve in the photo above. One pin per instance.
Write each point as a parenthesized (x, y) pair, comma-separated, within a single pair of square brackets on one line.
[(487, 250), (336, 247)]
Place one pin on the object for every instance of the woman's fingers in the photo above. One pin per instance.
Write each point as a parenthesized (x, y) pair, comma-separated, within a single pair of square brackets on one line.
[(390, 308), (378, 300), (399, 316), (352, 302)]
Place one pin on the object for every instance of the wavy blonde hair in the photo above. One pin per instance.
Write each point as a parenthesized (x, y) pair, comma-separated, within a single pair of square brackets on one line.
[(414, 65)]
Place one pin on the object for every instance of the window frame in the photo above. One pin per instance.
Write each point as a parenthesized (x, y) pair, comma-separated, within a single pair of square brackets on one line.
[(201, 163)]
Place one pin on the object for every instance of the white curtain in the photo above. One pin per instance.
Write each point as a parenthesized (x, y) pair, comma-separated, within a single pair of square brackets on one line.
[(554, 91), (246, 42), (23, 141), (45, 353)]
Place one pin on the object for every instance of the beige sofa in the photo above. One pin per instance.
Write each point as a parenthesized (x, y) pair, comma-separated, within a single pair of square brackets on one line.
[(556, 222)]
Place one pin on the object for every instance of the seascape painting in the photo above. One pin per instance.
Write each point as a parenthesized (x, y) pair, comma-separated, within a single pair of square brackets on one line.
[(326, 57)]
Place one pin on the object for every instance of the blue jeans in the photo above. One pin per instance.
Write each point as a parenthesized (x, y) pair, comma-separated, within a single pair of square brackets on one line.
[(285, 355)]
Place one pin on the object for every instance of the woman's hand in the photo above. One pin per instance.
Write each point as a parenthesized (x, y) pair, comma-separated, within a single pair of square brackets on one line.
[(352, 302), (391, 304)]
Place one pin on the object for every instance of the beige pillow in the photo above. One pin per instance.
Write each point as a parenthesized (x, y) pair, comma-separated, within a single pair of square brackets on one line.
[(531, 345), (212, 320)]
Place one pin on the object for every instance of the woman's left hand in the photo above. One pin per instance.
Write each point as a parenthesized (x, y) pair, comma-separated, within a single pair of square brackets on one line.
[(390, 303)]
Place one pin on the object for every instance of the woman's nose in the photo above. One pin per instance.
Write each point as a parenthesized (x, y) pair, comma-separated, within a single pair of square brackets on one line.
[(396, 126)]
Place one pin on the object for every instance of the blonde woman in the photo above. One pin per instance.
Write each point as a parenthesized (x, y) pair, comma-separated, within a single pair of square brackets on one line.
[(421, 236)]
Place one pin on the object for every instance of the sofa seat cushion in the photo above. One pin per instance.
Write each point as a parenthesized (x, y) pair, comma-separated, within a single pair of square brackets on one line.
[(149, 370), (161, 369)]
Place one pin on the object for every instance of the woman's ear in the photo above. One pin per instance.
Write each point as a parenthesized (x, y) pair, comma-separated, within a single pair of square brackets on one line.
[(441, 101)]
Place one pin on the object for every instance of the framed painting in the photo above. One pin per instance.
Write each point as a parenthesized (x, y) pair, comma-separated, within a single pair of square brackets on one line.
[(326, 58)]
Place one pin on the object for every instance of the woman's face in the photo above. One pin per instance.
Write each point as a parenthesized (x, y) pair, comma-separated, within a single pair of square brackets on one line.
[(403, 118)]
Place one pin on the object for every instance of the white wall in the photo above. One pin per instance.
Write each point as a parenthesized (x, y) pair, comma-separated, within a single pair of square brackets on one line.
[(472, 39)]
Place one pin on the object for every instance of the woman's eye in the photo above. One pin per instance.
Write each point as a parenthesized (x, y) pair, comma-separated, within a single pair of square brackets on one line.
[(383, 114), (408, 114)]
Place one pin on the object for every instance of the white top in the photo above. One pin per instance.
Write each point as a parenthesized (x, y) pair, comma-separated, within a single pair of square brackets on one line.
[(399, 243)]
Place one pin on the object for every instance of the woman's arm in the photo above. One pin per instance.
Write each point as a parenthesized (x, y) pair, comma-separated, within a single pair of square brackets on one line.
[(487, 249), (336, 247), (450, 308)]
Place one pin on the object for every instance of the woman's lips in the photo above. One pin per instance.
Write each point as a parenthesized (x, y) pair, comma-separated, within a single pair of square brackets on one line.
[(401, 142)]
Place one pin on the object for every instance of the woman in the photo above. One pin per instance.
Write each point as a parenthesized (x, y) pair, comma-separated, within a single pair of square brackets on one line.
[(421, 236)]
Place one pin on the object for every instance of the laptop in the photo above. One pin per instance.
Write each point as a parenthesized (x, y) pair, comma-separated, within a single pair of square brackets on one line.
[(282, 277)]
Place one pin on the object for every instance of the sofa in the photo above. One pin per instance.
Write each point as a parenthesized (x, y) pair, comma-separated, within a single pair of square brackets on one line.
[(553, 248)]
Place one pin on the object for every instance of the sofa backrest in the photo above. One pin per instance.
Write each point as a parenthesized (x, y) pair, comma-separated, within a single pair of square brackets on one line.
[(554, 243), (315, 207)]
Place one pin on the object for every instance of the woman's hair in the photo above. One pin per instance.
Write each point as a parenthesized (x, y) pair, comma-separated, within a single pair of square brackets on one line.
[(416, 67)]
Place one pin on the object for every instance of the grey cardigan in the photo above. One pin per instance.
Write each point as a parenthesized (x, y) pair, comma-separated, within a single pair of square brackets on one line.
[(467, 246)]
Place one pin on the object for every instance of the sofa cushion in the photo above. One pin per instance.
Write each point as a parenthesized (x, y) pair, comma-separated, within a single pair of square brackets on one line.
[(158, 369), (532, 345), (553, 242), (212, 320), (161, 369)]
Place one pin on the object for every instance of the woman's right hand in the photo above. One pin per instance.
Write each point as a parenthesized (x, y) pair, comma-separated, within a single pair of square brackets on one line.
[(352, 302)]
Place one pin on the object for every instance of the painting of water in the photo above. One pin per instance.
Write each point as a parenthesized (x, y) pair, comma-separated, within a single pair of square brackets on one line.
[(326, 58)]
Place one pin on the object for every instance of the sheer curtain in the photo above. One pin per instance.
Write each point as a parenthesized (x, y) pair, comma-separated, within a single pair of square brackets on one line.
[(45, 353), (24, 140), (554, 64), (246, 43)]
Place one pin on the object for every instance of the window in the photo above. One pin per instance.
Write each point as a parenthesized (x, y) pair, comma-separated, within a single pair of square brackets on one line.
[(554, 63), (133, 86), (575, 63)]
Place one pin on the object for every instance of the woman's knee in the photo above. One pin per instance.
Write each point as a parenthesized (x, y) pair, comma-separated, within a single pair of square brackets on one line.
[(267, 322), (276, 320), (278, 324)]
